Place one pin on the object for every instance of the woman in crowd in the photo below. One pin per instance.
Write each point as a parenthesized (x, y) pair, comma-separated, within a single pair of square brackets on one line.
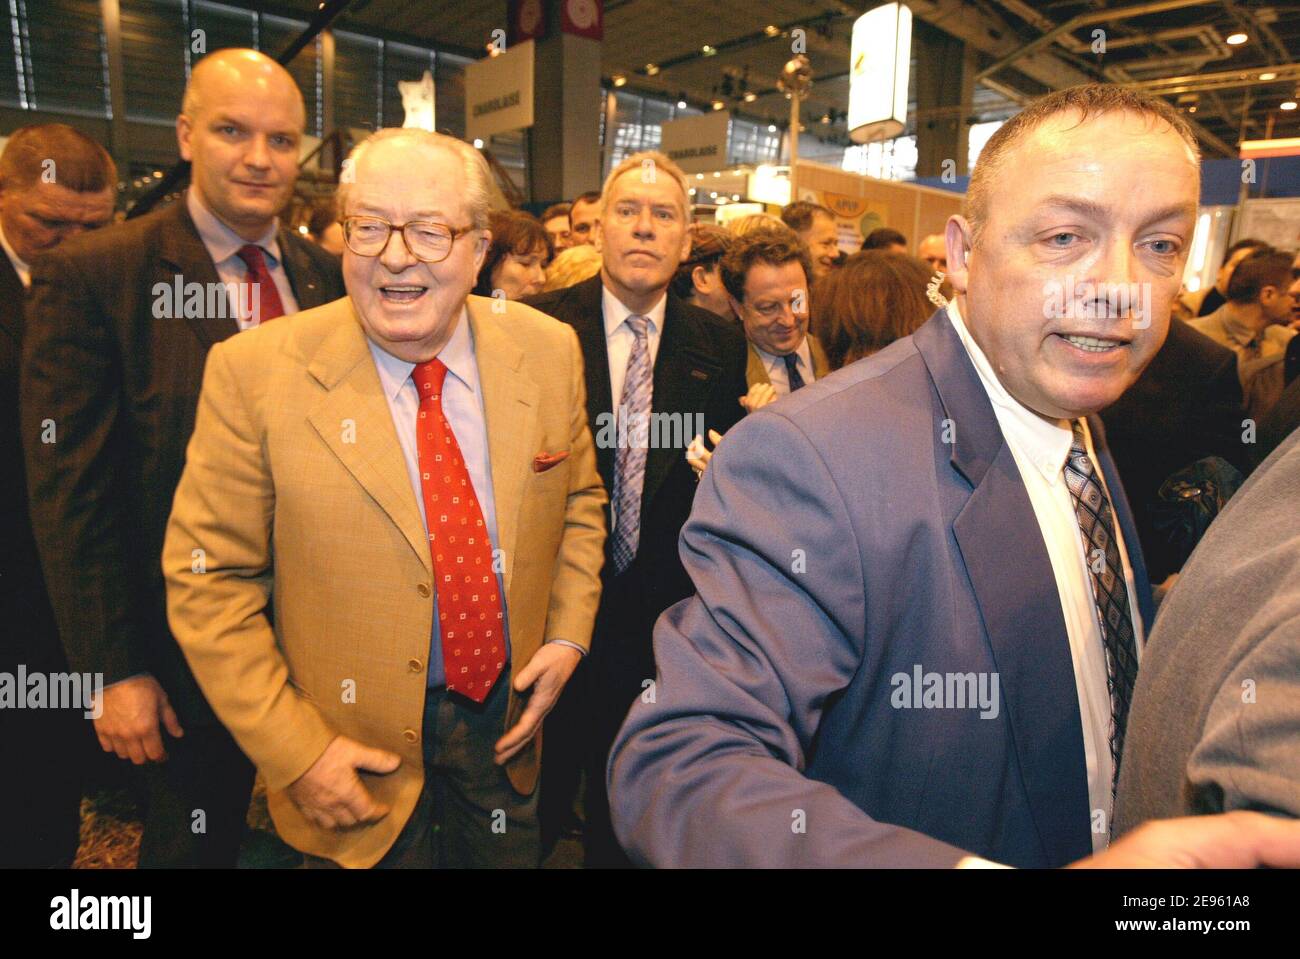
[(571, 266), (516, 260), (874, 299)]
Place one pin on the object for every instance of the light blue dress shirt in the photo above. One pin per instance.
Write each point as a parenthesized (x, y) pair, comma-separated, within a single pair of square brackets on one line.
[(462, 402)]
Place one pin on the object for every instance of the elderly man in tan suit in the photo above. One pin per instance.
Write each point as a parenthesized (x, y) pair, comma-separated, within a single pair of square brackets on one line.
[(383, 561)]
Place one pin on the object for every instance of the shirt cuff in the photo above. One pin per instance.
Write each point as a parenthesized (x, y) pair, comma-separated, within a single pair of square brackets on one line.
[(565, 642)]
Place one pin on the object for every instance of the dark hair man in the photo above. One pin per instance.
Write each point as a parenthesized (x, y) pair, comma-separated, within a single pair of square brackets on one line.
[(767, 279), (815, 225), (55, 183)]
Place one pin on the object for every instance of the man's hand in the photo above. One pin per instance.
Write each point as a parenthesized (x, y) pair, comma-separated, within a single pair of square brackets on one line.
[(1234, 840), (546, 673), (759, 395), (128, 722), (332, 795), (698, 456)]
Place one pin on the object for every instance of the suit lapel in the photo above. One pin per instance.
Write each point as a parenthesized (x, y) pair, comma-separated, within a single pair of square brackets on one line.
[(683, 375), (301, 272), (821, 365), (510, 408), (587, 317), (755, 368), (183, 259), (1020, 605), (354, 421)]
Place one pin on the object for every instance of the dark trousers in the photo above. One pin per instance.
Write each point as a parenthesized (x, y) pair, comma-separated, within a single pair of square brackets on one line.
[(563, 760), (197, 801), (468, 815), (43, 753)]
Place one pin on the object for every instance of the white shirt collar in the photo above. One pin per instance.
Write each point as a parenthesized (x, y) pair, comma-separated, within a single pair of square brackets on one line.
[(20, 267), (1043, 442), (615, 312), (802, 352), (223, 242), (457, 354)]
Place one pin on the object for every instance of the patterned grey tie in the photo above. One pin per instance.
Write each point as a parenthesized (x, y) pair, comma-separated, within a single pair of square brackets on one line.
[(1109, 589), (629, 472)]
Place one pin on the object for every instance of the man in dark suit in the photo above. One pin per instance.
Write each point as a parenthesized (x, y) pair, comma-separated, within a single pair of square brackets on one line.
[(653, 363), (920, 597), (119, 326), (1185, 406), (55, 183), (1216, 712)]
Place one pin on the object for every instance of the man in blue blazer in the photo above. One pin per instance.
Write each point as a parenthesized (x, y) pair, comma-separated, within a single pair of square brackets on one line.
[(920, 596)]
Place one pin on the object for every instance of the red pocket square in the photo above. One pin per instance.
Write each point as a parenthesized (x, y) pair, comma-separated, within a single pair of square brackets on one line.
[(544, 461)]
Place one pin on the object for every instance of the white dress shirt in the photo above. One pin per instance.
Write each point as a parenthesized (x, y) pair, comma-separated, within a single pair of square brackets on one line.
[(1040, 448), (223, 246), (779, 375), (20, 267), (619, 337)]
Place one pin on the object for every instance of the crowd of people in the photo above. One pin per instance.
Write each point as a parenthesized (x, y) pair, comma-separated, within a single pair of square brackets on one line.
[(796, 556)]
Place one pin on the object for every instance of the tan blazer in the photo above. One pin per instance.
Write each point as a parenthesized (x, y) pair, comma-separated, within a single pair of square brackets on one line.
[(756, 370), (295, 494)]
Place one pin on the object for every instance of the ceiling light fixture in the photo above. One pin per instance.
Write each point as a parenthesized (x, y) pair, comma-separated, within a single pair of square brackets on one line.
[(1236, 39)]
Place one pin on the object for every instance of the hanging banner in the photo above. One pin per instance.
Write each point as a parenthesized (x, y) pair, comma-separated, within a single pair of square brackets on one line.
[(527, 19), (698, 144), (499, 93), (583, 18)]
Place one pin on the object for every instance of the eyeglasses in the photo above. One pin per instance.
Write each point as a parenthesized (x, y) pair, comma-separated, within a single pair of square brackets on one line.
[(428, 242)]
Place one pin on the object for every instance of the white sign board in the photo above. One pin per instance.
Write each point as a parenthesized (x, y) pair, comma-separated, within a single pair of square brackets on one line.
[(880, 56), (499, 93), (698, 144)]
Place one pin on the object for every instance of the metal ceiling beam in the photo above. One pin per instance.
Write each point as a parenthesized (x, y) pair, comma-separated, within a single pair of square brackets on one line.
[(1225, 80), (1108, 15), (994, 36)]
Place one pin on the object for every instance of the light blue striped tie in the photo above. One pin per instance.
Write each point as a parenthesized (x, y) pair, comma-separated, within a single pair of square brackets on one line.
[(633, 437)]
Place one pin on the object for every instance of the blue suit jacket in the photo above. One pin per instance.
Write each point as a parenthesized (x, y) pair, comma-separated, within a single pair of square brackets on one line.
[(870, 523)]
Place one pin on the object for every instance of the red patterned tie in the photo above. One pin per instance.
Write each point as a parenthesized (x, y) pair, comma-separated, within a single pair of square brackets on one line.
[(268, 297), (469, 609)]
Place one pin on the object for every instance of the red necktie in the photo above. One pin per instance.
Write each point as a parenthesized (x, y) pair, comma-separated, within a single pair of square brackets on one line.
[(469, 609), (269, 305)]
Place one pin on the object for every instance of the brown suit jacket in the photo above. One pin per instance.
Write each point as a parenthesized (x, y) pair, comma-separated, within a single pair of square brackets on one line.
[(121, 384), (308, 612), (756, 371)]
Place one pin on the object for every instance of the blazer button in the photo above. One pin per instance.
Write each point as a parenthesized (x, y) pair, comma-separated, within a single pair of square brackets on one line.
[(410, 735), (415, 665), (423, 590)]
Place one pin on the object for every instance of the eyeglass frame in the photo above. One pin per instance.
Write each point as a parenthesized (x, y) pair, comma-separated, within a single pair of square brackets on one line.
[(400, 228)]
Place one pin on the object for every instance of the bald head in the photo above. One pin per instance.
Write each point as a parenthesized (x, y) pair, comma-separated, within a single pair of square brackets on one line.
[(934, 250), (250, 72), (240, 126)]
